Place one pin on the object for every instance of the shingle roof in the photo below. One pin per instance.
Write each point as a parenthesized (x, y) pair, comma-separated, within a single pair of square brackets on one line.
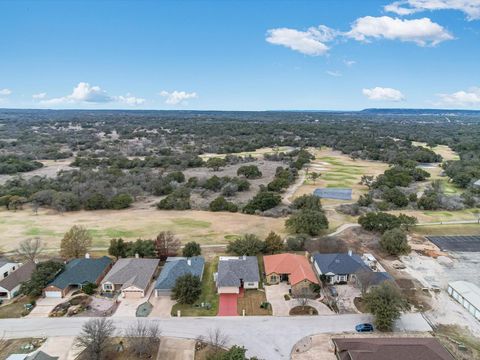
[(177, 267), (132, 272), (231, 270), (4, 261), (23, 273), (297, 266), (390, 348), (81, 271), (40, 355), (339, 263)]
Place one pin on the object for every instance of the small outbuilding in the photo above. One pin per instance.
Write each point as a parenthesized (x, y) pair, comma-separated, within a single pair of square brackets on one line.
[(467, 295)]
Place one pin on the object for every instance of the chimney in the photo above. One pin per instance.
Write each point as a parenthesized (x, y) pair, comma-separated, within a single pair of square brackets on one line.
[(87, 256), (189, 262), (350, 253), (244, 257), (137, 256)]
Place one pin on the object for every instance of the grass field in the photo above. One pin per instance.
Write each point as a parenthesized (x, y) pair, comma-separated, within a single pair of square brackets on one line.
[(202, 226), (444, 150), (14, 309), (209, 295), (250, 302), (255, 153), (438, 215), (338, 171), (444, 230)]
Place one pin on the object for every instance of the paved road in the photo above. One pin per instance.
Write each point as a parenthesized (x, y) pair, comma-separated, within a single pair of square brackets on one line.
[(268, 337)]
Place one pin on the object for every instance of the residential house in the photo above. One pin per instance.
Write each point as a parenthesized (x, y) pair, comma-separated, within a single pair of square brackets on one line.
[(6, 267), (131, 276), (10, 286), (341, 268), (77, 273), (235, 273), (400, 348), (292, 268), (176, 267), (37, 355)]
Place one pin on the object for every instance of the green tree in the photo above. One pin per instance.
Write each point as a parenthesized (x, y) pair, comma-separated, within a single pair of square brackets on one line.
[(221, 204), (118, 248), (191, 249), (379, 221), (144, 248), (385, 303), (407, 222), (395, 242), (249, 171), (75, 243), (273, 243), (215, 163), (264, 200), (395, 196), (309, 222), (43, 274), (121, 201), (248, 244), (307, 202), (89, 288), (96, 201), (187, 289)]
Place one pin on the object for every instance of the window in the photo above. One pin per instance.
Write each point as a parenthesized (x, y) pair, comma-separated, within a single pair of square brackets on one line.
[(5, 274), (108, 287), (273, 278)]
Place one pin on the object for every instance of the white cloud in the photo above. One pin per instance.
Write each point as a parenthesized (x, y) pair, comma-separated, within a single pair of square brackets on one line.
[(39, 96), (423, 31), (310, 42), (177, 97), (407, 7), (130, 100), (349, 63), (5, 92), (471, 97), (381, 93), (82, 93), (334, 73)]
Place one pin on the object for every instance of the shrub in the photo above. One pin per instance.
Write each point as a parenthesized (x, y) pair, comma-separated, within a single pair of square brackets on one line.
[(249, 171), (264, 200), (121, 201), (221, 204), (395, 242)]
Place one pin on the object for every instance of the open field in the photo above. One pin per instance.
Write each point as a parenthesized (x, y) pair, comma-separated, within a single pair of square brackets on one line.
[(444, 150), (256, 153), (202, 226), (50, 169), (426, 216), (444, 230), (339, 170)]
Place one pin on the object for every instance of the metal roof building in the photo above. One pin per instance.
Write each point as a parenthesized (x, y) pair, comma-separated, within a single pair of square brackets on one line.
[(467, 295)]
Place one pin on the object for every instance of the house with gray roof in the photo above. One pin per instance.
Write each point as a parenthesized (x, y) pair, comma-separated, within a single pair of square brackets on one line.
[(176, 267), (10, 286), (77, 273), (235, 273), (131, 277), (340, 268)]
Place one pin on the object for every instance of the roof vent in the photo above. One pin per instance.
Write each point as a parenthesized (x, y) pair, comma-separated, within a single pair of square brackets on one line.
[(350, 253), (189, 262), (87, 256)]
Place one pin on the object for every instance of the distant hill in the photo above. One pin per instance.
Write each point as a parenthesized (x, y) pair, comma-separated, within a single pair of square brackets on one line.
[(441, 112)]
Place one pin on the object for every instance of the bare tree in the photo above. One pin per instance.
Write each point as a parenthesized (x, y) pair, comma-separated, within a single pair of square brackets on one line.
[(144, 337), (167, 244), (30, 249), (95, 336), (365, 278), (217, 340), (76, 242), (302, 297)]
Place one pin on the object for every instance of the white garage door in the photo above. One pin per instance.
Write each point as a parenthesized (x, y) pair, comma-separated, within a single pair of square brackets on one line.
[(53, 294)]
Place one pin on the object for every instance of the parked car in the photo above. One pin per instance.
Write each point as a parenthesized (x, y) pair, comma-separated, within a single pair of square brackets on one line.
[(333, 291), (364, 327)]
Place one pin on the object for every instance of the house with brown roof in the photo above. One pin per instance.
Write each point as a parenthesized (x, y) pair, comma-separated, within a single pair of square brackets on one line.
[(291, 268), (390, 349), (10, 285)]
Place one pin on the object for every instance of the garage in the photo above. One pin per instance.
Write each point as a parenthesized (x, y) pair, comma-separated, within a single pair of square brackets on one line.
[(132, 293), (53, 294)]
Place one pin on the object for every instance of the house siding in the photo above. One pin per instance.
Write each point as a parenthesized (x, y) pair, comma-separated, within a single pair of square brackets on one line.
[(273, 279)]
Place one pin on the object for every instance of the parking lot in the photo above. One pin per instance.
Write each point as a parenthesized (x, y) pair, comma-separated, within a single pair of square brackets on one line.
[(457, 243)]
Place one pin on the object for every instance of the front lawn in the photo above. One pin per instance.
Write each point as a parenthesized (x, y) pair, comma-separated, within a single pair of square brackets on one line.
[(251, 301), (209, 295), (303, 310), (14, 309)]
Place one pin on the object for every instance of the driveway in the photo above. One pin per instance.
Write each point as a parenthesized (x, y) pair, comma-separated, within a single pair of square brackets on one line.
[(281, 307), (162, 306), (44, 306), (227, 305), (128, 307), (176, 349), (275, 296), (58, 346)]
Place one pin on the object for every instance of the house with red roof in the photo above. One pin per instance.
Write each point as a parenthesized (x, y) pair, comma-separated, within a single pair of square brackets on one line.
[(294, 269)]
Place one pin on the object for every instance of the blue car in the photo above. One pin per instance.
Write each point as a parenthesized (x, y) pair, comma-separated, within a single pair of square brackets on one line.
[(364, 327)]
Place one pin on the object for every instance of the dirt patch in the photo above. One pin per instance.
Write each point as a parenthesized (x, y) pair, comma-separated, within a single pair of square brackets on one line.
[(459, 342), (303, 310), (360, 305), (251, 302), (50, 169)]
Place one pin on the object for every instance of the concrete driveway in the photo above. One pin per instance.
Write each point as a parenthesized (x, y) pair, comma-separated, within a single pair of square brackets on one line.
[(275, 296), (128, 307), (162, 306), (281, 307), (176, 349), (58, 346), (44, 306)]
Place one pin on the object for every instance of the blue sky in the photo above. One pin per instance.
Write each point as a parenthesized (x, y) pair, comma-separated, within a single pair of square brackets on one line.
[(240, 55)]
